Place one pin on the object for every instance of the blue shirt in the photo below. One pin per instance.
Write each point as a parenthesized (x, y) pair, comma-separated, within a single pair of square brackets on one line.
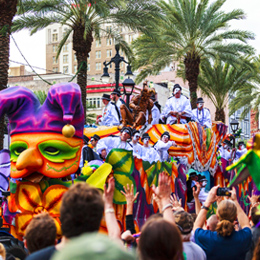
[(218, 247)]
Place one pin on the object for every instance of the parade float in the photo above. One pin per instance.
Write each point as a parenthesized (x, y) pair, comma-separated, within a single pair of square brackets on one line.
[(46, 143)]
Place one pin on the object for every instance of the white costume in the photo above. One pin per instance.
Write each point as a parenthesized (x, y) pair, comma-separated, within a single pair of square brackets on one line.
[(225, 153), (150, 155), (111, 142), (109, 116), (202, 117), (239, 153), (155, 115), (137, 149), (203, 195), (162, 149), (174, 104)]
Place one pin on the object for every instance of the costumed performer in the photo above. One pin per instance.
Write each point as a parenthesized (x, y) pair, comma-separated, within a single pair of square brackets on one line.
[(241, 150), (163, 145), (137, 148), (108, 143), (149, 154), (201, 114), (110, 114), (177, 109)]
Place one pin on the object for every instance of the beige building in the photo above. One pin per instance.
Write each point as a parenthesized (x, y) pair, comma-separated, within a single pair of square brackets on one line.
[(101, 50)]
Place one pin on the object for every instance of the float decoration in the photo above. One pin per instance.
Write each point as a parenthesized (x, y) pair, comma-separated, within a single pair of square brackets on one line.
[(38, 147), (249, 165)]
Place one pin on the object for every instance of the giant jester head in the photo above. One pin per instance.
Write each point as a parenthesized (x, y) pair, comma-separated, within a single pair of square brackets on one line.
[(38, 147)]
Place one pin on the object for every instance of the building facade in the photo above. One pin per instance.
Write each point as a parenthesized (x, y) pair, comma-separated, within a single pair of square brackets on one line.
[(102, 49)]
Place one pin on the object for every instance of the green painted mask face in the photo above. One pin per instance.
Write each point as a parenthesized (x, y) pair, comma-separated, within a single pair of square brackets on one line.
[(50, 154)]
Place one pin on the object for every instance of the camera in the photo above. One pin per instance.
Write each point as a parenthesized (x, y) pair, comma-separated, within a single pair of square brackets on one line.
[(223, 192)]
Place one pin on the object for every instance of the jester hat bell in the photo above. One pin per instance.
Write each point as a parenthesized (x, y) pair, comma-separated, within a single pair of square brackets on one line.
[(25, 113)]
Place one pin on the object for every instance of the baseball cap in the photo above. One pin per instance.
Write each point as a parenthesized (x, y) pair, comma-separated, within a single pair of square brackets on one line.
[(93, 246), (184, 222)]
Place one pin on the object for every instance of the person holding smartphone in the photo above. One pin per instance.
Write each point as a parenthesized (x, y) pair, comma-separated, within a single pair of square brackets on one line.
[(225, 243)]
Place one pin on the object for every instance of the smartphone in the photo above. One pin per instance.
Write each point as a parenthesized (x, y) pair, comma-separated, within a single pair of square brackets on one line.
[(223, 192)]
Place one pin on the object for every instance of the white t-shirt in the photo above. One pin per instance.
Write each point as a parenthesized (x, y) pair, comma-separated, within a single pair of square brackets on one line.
[(193, 251)]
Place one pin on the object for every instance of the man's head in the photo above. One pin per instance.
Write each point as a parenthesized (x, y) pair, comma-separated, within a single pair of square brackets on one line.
[(200, 103), (105, 99), (177, 90), (255, 217), (81, 210), (115, 95), (212, 222), (241, 145), (85, 139), (135, 136), (145, 139), (202, 181), (184, 222), (193, 176), (126, 133), (165, 137), (94, 140), (227, 144), (40, 233)]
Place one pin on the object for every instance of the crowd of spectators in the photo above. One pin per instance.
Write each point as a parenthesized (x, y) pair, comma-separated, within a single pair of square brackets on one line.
[(170, 234)]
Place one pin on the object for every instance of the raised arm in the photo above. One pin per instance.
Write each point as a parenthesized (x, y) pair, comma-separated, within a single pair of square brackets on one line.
[(163, 192), (110, 217)]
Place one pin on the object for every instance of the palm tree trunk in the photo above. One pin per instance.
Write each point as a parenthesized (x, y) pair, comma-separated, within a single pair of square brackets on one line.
[(192, 64), (7, 12), (220, 115), (82, 47)]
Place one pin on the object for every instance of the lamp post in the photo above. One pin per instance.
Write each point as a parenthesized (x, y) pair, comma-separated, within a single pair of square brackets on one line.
[(234, 127), (117, 59), (128, 86)]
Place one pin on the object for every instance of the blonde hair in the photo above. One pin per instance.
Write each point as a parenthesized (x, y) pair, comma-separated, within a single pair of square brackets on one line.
[(2, 251), (227, 214)]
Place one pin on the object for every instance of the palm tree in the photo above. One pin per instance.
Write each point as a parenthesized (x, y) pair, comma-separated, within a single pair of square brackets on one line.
[(190, 31), (221, 80), (248, 96), (7, 12), (85, 20)]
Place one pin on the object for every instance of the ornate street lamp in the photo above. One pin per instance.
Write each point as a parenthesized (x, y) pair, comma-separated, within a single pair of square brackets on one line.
[(128, 87), (105, 77), (234, 125), (117, 59)]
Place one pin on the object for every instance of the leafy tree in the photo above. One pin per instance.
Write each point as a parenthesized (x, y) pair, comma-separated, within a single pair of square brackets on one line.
[(86, 20), (41, 95), (190, 31), (248, 96), (221, 80)]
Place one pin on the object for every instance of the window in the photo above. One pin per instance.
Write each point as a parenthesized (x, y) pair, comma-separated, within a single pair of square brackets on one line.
[(65, 58), (98, 66), (54, 60), (55, 69), (65, 47), (122, 65), (109, 41), (98, 54), (109, 53), (98, 43), (130, 38), (55, 37), (75, 57), (94, 102), (54, 48), (109, 28), (75, 68), (66, 69), (88, 67)]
